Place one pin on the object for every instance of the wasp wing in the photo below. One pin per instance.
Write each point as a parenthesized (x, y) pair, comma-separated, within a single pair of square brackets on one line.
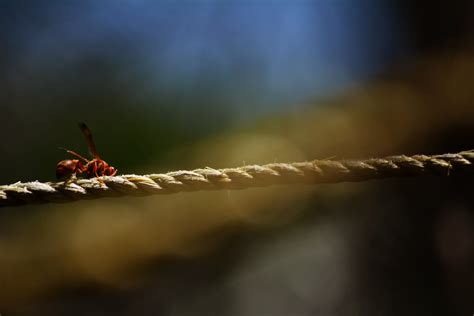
[(90, 141)]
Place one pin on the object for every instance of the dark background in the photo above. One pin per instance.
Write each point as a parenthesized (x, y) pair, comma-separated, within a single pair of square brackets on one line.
[(174, 85)]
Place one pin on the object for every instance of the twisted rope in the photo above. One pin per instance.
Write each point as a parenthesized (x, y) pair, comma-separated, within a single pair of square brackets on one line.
[(316, 171)]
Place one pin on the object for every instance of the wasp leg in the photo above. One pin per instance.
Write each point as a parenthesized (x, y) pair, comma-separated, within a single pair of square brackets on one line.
[(95, 169), (72, 178)]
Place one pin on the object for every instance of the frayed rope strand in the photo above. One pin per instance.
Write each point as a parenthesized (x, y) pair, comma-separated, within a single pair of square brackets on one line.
[(316, 171)]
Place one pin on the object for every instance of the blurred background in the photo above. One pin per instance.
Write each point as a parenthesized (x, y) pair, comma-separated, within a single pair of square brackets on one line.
[(168, 85)]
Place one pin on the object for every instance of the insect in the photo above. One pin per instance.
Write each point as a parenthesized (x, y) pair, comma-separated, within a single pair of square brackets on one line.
[(90, 168)]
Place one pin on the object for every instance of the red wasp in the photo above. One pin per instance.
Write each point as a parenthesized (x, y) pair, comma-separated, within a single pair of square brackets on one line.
[(91, 168)]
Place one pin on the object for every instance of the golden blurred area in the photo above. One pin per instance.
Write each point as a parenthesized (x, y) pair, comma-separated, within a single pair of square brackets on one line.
[(110, 242)]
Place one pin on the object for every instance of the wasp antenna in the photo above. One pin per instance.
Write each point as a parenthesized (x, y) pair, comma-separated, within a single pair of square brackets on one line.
[(74, 154), (62, 148)]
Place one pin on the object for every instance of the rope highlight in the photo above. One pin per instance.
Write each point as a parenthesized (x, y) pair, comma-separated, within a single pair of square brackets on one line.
[(310, 172)]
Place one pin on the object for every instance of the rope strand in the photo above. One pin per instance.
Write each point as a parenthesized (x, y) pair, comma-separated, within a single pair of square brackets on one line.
[(316, 171)]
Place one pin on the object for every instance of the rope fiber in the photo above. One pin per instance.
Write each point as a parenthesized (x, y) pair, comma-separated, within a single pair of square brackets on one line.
[(310, 172)]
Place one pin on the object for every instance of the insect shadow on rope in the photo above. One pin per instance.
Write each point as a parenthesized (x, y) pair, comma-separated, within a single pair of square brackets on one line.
[(96, 167)]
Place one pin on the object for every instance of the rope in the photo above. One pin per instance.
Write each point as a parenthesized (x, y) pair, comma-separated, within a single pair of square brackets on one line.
[(316, 171)]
